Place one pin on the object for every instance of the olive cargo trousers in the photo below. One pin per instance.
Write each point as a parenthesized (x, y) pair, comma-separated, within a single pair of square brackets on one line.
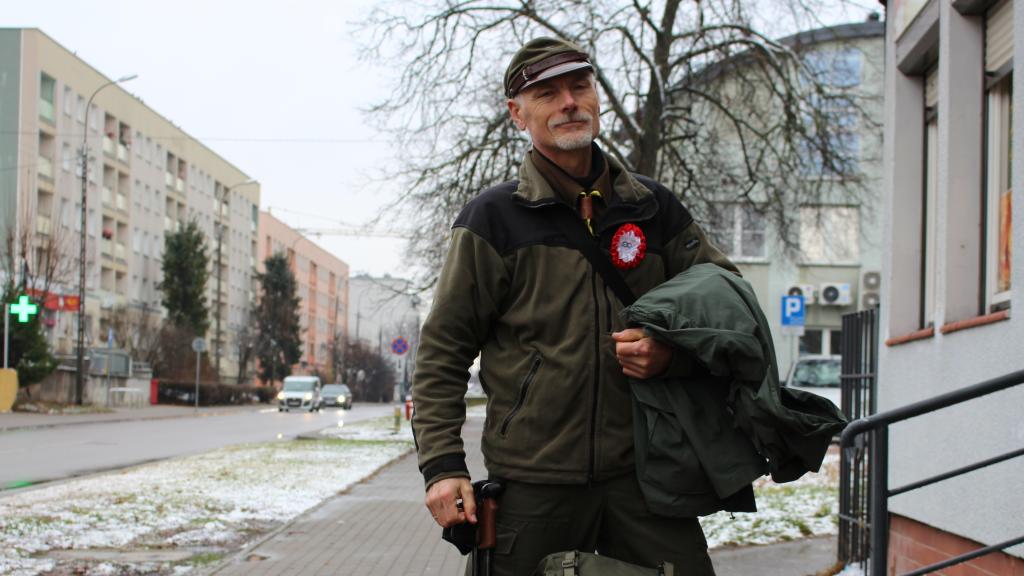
[(608, 517)]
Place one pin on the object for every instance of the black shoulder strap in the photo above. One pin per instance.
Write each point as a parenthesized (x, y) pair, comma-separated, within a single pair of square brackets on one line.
[(578, 238)]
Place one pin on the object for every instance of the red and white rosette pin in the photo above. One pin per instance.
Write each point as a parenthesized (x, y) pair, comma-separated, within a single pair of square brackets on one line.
[(629, 246)]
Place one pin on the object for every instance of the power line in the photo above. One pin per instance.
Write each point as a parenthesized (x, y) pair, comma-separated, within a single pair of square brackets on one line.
[(341, 228), (271, 140)]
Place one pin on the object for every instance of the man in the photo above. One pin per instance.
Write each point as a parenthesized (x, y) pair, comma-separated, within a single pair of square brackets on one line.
[(555, 356)]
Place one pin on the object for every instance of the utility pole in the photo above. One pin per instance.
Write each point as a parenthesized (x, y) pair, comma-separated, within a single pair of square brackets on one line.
[(220, 239), (80, 360)]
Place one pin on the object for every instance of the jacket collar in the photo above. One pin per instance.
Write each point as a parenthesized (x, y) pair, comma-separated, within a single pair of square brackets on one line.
[(631, 201)]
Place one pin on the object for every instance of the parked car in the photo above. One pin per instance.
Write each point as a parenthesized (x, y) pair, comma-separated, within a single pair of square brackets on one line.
[(300, 393), (818, 374), (337, 395)]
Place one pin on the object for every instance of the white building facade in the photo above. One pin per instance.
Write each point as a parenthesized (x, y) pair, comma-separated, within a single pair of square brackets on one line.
[(951, 274), (838, 267)]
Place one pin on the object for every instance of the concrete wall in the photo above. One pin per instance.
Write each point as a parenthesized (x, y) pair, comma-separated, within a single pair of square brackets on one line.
[(60, 387), (984, 506)]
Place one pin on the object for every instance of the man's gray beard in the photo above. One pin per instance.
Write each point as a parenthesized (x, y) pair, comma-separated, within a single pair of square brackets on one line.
[(577, 140), (567, 142)]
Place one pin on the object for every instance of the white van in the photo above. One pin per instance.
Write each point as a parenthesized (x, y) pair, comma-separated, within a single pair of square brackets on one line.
[(300, 393)]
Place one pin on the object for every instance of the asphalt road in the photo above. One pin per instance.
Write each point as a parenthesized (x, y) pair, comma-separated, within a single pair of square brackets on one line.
[(41, 455)]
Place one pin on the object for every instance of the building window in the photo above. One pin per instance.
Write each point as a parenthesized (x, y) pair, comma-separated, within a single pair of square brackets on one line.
[(80, 107), (69, 101), (738, 230), (998, 239), (835, 68), (929, 200), (829, 234), (65, 157), (47, 87), (820, 341), (839, 72)]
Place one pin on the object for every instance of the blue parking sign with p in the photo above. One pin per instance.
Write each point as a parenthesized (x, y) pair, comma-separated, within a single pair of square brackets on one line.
[(793, 313)]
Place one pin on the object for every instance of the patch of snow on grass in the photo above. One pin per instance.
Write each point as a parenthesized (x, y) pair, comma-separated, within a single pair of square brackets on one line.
[(219, 498), (851, 570), (806, 507)]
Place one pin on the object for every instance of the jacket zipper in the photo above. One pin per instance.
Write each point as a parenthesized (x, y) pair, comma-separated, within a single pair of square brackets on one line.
[(608, 309), (597, 377), (522, 393)]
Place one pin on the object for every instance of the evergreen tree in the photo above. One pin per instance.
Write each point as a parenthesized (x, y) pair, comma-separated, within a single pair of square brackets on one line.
[(278, 341), (29, 353), (185, 274)]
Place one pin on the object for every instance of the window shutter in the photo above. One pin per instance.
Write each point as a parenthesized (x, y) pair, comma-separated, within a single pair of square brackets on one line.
[(998, 35), (931, 88)]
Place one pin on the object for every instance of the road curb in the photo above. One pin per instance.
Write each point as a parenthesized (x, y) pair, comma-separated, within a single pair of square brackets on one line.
[(113, 421)]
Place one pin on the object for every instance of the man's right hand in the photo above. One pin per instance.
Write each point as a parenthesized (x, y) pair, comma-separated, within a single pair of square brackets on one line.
[(442, 501)]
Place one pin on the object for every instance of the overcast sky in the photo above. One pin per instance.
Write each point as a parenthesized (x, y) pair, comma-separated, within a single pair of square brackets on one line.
[(273, 87), (276, 88)]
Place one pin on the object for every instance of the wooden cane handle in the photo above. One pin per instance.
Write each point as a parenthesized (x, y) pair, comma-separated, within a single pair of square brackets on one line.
[(487, 533)]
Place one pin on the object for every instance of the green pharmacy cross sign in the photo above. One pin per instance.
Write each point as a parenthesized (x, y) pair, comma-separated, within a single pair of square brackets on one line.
[(24, 309)]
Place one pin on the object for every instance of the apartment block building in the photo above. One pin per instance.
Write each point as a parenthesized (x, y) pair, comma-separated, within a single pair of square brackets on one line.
[(323, 286), (952, 276), (145, 177)]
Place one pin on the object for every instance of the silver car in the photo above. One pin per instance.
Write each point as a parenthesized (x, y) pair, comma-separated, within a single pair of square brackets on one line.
[(337, 395), (300, 393), (818, 374)]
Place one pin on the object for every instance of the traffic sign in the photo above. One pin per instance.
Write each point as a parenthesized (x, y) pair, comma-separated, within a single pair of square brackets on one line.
[(399, 346), (24, 309), (199, 345), (793, 316)]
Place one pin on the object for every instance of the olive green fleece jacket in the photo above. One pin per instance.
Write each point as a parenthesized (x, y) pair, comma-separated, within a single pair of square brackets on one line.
[(513, 290)]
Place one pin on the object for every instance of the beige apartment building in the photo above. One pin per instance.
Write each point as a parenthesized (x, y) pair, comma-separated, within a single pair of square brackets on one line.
[(145, 177), (322, 281)]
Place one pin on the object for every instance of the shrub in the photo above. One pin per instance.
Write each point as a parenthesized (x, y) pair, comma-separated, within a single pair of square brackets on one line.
[(212, 393)]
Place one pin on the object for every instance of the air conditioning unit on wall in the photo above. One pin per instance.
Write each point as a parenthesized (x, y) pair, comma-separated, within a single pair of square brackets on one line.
[(870, 289), (834, 294), (805, 290)]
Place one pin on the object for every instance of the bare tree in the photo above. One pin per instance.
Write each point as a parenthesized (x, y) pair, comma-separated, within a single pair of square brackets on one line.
[(696, 94), (245, 340), (138, 330), (38, 254)]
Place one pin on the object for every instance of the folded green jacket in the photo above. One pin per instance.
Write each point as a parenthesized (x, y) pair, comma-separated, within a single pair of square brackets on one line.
[(702, 439)]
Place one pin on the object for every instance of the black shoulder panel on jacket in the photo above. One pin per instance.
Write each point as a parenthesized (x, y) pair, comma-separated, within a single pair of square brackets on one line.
[(506, 224)]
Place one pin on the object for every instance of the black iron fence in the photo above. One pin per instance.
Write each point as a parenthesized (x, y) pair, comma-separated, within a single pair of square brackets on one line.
[(874, 430), (859, 347)]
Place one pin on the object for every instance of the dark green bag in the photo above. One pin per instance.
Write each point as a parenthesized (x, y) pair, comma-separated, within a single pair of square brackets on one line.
[(577, 563)]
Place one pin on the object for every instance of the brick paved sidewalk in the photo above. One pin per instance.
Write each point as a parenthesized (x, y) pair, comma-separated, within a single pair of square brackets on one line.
[(380, 527)]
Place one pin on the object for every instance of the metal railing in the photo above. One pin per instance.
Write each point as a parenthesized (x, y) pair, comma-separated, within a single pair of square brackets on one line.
[(876, 430), (859, 347)]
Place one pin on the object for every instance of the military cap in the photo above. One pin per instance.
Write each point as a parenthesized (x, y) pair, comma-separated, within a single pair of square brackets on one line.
[(540, 59)]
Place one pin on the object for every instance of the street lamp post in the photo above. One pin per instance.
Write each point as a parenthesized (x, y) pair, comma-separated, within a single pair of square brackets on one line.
[(80, 372), (219, 228)]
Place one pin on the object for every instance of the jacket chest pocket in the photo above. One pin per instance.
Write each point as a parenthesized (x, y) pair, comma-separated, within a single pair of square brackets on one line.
[(524, 388)]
